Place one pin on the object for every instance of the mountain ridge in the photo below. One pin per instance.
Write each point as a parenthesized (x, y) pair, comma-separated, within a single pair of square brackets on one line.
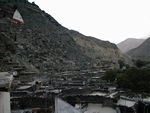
[(129, 44), (142, 52), (44, 45)]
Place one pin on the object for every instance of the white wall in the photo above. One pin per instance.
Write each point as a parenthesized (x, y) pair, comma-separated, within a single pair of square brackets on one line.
[(98, 108), (4, 102)]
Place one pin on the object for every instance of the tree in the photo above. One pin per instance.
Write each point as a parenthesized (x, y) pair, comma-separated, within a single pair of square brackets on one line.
[(121, 64), (140, 63), (134, 79), (110, 75)]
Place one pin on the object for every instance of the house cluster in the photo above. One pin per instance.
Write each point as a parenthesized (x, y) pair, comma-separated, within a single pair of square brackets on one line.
[(76, 79)]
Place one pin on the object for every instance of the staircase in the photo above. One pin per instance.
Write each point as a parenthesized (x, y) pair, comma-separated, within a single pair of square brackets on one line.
[(10, 65)]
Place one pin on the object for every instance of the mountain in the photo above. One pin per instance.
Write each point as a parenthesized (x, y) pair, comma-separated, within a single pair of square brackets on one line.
[(42, 45), (142, 52), (103, 52), (129, 44)]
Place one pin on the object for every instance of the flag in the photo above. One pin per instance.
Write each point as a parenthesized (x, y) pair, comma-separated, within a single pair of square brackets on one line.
[(17, 17)]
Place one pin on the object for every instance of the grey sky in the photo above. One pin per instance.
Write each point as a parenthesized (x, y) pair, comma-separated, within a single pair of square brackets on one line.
[(112, 20)]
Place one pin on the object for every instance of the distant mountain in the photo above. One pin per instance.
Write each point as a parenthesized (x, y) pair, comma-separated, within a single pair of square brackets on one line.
[(141, 52), (129, 44)]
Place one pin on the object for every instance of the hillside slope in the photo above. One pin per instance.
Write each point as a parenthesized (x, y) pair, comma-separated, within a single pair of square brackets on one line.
[(142, 52), (104, 52), (129, 44), (42, 45)]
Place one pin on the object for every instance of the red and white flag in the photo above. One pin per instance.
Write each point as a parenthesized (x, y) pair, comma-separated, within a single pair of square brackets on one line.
[(17, 17)]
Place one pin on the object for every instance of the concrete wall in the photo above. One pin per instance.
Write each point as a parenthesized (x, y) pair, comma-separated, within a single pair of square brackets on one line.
[(4, 102), (99, 108)]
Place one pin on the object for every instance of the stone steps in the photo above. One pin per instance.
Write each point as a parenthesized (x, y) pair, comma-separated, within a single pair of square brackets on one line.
[(12, 63), (19, 66), (5, 61), (27, 73), (18, 69)]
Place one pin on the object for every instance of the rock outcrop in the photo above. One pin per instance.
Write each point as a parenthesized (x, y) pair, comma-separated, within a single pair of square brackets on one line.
[(103, 52)]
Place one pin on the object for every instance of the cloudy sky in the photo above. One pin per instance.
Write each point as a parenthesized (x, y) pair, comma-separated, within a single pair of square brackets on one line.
[(111, 20)]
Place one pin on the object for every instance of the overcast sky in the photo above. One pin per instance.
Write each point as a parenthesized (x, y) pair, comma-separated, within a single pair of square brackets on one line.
[(111, 20)]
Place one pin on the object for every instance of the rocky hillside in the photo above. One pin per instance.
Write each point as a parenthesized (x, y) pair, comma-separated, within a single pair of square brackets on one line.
[(142, 52), (129, 44), (103, 52), (42, 45)]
